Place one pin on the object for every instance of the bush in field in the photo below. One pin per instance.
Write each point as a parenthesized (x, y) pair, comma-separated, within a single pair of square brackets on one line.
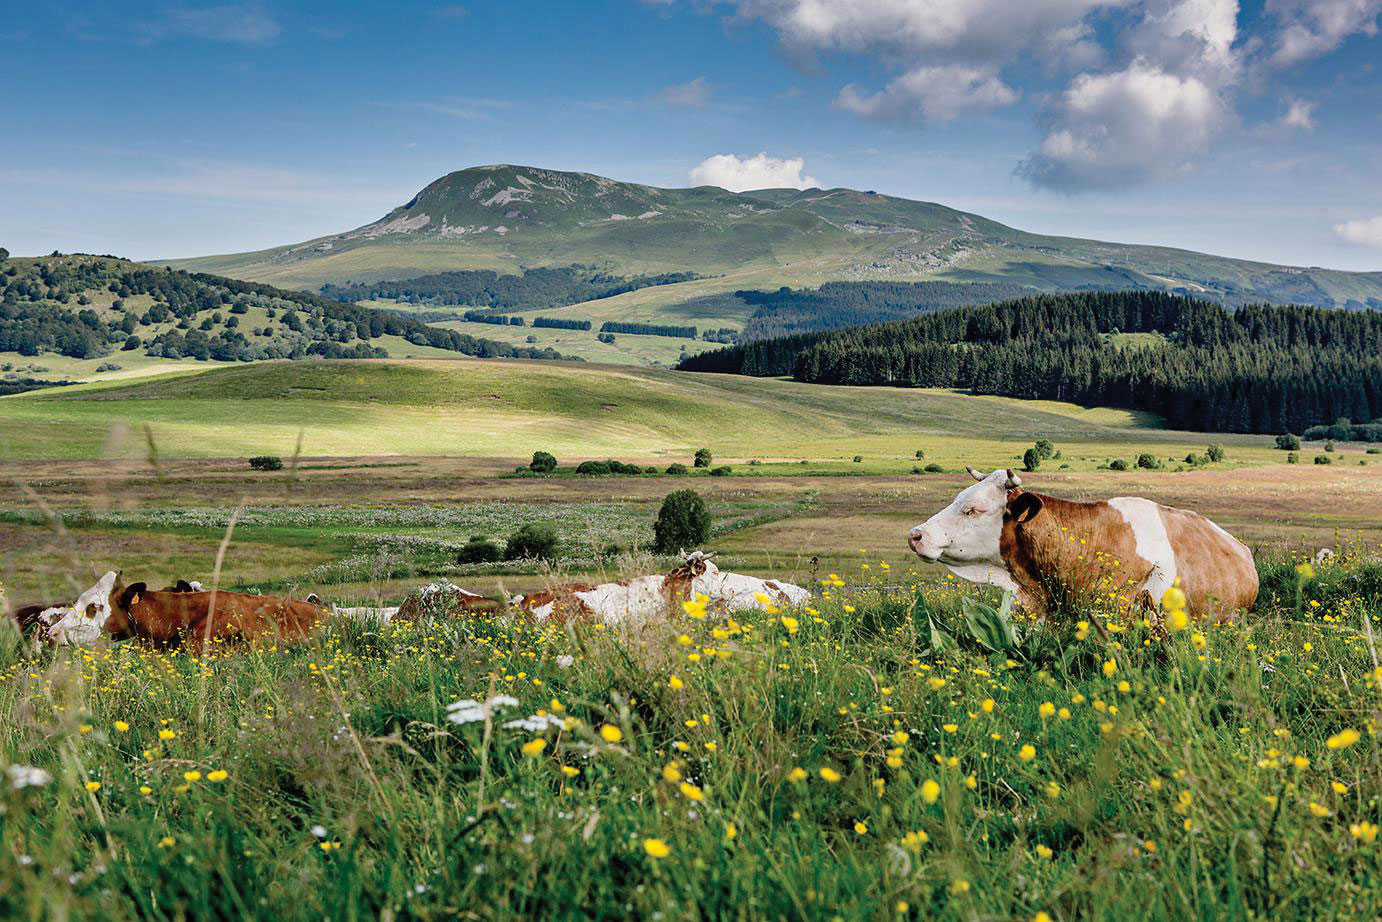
[(1031, 460), (479, 549), (1292, 458), (1044, 449), (683, 523), (542, 463), (593, 467), (722, 471), (535, 540), (703, 457), (858, 459), (266, 463), (1148, 461), (920, 454), (1196, 460), (1288, 442), (1118, 464), (1215, 452), (1329, 446), (934, 468), (676, 469), (1323, 459)]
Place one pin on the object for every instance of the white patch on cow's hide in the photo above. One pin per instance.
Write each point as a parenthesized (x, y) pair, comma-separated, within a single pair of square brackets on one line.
[(1153, 543), (737, 592), (83, 623), (379, 616), (638, 601), (542, 612)]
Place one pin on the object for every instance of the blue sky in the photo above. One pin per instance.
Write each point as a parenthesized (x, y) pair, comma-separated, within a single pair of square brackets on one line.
[(1249, 129)]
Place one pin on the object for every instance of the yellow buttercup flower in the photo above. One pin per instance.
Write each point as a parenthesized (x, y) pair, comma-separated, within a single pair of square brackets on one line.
[(691, 792), (1343, 739), (656, 848), (930, 791), (1027, 753), (829, 774), (797, 774), (611, 734), (534, 746)]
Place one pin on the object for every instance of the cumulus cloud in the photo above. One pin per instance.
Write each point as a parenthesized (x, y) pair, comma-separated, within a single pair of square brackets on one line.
[(1124, 128), (1300, 116), (694, 94), (247, 23), (1366, 232), (1310, 28), (760, 171), (933, 93)]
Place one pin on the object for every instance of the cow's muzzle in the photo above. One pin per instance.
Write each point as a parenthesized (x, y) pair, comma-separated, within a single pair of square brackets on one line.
[(922, 545)]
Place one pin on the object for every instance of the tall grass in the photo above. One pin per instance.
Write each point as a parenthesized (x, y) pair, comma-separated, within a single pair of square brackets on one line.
[(815, 763)]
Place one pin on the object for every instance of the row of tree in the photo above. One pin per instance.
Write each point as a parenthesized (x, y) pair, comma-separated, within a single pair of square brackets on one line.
[(1255, 369), (532, 289)]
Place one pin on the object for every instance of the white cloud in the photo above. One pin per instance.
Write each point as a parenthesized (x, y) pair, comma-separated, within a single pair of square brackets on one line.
[(1300, 116), (1366, 232), (760, 171), (1123, 128), (934, 93), (1310, 28), (691, 95), (247, 23)]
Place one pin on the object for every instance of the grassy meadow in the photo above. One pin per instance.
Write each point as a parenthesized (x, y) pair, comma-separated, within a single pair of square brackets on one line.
[(863, 757)]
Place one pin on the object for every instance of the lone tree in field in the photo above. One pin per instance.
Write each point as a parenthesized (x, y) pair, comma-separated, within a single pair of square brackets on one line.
[(1031, 459), (1288, 442), (682, 523), (703, 457), (1215, 452), (542, 463), (535, 540), (1045, 449)]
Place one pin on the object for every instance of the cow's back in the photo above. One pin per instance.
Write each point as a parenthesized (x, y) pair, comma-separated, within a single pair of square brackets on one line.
[(224, 616), (1216, 570)]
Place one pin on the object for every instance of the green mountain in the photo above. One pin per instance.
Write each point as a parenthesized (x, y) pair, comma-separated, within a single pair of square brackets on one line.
[(509, 218)]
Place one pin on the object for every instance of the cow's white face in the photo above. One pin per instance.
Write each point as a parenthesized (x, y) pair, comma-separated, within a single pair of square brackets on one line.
[(967, 531), (83, 623)]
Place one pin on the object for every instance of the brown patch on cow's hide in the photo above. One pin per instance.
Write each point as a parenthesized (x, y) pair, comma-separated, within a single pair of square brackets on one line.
[(197, 617), (1217, 577), (443, 602)]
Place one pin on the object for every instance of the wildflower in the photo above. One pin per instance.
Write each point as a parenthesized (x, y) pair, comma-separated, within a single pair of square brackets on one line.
[(145, 790), (691, 792), (85, 728), (900, 737), (1041, 917), (1081, 630), (1052, 789), (936, 683), (167, 842), (1063, 713), (684, 640), (1339, 788), (1343, 739), (121, 727), (1177, 619), (950, 728), (671, 773), (971, 782), (1305, 571), (93, 786), (1110, 667), (731, 831), (534, 746), (986, 705), (1173, 598), (902, 906), (1027, 753), (959, 887), (789, 623), (695, 608), (218, 775), (675, 683), (860, 827), (165, 734), (656, 848), (1317, 810), (27, 776), (1047, 709), (1197, 639), (192, 775), (797, 774), (1043, 852), (829, 774), (329, 846), (930, 791), (570, 771), (1363, 831), (611, 734)]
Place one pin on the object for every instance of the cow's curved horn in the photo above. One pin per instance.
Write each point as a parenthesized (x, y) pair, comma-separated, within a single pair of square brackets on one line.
[(1014, 481), (973, 473)]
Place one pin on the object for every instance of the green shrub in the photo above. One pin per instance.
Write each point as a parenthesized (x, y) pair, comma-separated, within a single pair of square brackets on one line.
[(703, 457), (593, 467), (266, 463), (683, 523), (536, 540), (1148, 461), (1329, 446), (934, 468), (920, 454), (1118, 464), (1288, 442), (1215, 453), (479, 549), (722, 471), (676, 469), (542, 463), (1031, 459), (1323, 459), (858, 458), (1044, 449)]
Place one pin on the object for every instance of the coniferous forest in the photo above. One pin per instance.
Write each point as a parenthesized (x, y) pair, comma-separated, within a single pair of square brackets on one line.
[(1254, 369)]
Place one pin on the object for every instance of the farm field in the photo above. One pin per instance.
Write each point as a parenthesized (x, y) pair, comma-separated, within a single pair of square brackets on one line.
[(815, 763)]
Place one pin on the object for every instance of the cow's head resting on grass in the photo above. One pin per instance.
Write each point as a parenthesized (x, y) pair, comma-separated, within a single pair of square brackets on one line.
[(965, 536), (99, 610)]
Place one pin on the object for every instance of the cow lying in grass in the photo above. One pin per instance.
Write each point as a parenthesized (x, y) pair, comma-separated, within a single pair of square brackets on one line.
[(650, 598), (113, 609), (1050, 551), (30, 617)]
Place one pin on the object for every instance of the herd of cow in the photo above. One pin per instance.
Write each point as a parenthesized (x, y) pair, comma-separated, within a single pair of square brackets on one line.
[(1036, 546)]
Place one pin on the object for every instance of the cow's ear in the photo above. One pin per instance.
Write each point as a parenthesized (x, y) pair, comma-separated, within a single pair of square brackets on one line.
[(1024, 506), (131, 595), (182, 586)]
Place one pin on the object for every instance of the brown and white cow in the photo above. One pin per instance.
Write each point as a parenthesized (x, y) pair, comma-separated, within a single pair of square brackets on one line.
[(649, 598), (113, 609), (43, 616), (1041, 547)]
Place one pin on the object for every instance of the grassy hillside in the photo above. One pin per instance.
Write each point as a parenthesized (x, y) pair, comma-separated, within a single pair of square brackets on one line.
[(509, 409), (506, 217)]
